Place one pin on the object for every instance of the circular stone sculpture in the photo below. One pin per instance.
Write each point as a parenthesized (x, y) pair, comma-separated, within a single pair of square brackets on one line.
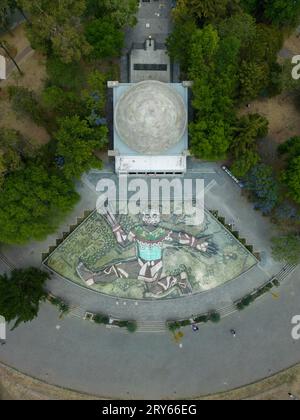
[(151, 117)]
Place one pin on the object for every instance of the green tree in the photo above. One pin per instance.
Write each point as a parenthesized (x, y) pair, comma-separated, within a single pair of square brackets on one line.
[(21, 294), (291, 178), (32, 204), (179, 43), (122, 13), (264, 188), (25, 103), (10, 152), (105, 37), (56, 27), (282, 12), (63, 103), (244, 144), (77, 142), (286, 249), (5, 10), (66, 76), (213, 67), (205, 10), (291, 148)]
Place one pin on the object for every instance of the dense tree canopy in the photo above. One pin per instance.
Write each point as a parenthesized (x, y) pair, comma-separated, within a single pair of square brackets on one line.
[(244, 150), (32, 202), (76, 143), (264, 187), (105, 38), (123, 12), (21, 294), (56, 27)]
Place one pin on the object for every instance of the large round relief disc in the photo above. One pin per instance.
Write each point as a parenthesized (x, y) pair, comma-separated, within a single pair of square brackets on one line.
[(151, 117)]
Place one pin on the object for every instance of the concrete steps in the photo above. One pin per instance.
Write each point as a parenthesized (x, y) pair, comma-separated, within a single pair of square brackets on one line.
[(152, 327), (228, 310), (286, 272)]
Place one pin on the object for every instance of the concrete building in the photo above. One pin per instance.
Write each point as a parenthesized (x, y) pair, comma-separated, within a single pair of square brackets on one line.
[(150, 127)]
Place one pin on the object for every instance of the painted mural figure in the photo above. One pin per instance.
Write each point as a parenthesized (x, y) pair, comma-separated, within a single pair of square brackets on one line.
[(149, 239)]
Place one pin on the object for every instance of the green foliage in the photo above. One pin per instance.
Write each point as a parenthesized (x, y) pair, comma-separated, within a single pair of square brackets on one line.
[(62, 305), (105, 38), (214, 317), (21, 294), (291, 178), (11, 151), (131, 326), (76, 142), (291, 148), (201, 319), (101, 319), (281, 13), (173, 326), (95, 94), (214, 62), (123, 13), (286, 249), (205, 10), (179, 43), (244, 145), (25, 103), (5, 10), (264, 188), (32, 204), (65, 76), (55, 28), (62, 103)]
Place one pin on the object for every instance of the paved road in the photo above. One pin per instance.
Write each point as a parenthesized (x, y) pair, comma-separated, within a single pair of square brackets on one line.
[(90, 358), (79, 355)]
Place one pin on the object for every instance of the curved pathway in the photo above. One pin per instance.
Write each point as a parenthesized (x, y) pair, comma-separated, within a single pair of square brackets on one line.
[(86, 357)]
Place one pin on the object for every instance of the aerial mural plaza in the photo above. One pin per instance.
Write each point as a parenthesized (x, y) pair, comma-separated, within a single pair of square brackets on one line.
[(150, 255)]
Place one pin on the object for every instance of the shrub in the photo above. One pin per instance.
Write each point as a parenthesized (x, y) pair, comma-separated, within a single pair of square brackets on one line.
[(215, 317), (25, 103), (67, 76), (131, 326), (101, 319), (173, 326), (201, 319), (240, 306)]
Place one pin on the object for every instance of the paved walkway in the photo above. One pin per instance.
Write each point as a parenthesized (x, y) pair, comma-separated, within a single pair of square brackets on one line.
[(77, 354), (86, 357), (256, 229)]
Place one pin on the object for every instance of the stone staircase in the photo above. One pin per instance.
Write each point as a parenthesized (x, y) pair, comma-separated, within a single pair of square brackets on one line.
[(152, 327), (286, 272), (227, 310)]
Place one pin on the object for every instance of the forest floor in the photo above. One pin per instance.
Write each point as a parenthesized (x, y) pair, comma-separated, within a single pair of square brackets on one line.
[(281, 111), (34, 69)]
